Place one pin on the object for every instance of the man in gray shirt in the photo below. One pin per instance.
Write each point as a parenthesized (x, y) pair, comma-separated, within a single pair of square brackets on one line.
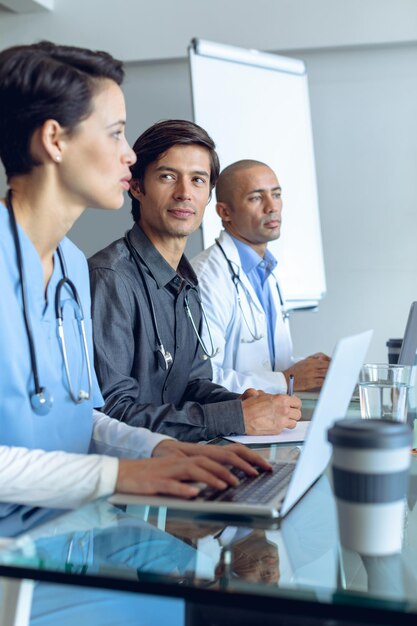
[(153, 366)]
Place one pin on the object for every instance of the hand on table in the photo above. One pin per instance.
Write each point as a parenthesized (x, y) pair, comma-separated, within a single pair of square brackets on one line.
[(309, 373)]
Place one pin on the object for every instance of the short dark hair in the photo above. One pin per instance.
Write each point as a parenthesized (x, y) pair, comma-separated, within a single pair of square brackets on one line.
[(158, 139), (46, 81), (226, 180)]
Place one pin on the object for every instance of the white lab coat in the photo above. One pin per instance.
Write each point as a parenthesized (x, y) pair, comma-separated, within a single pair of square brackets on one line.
[(240, 362)]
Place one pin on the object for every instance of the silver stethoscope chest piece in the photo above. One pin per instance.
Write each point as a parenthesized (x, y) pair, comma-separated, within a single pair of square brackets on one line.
[(41, 401)]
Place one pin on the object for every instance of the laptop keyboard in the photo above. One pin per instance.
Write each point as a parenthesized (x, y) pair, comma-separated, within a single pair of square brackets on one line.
[(253, 490)]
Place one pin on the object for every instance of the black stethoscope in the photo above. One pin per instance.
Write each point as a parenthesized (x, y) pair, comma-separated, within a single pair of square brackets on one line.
[(237, 281), (163, 356), (41, 399)]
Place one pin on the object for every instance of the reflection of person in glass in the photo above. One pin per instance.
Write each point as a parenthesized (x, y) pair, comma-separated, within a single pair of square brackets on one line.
[(245, 553), (253, 558)]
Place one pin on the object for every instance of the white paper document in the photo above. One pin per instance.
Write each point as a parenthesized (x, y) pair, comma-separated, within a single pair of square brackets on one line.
[(288, 435)]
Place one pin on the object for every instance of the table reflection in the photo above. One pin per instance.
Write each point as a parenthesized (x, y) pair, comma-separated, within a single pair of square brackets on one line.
[(249, 555), (300, 557)]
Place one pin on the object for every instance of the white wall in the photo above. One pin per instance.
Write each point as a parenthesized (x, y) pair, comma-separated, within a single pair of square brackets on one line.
[(364, 103), (141, 30)]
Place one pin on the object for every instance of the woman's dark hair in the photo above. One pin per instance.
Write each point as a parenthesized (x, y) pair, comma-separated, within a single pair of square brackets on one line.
[(46, 81), (158, 139)]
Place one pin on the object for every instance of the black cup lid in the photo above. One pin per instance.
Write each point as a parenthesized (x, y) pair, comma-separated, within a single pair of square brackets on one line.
[(370, 433), (394, 343)]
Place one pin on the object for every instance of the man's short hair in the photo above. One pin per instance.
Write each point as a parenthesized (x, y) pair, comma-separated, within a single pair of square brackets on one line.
[(158, 139), (226, 179)]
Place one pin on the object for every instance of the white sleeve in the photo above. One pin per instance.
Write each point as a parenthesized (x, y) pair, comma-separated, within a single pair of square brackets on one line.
[(121, 440), (54, 479), (221, 310)]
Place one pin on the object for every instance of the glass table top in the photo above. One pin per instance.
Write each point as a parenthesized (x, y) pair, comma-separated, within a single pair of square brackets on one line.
[(146, 549)]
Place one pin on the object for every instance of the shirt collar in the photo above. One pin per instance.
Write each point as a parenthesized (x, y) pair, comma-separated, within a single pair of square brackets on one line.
[(251, 259), (161, 271)]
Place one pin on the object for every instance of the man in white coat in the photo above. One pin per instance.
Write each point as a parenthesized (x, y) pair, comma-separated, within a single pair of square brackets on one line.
[(240, 289)]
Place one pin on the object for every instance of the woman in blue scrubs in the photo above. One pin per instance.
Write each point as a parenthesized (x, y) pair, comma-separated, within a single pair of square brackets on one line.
[(62, 143)]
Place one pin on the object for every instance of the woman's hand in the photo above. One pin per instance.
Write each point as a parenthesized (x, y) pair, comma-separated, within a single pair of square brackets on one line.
[(232, 455), (176, 463)]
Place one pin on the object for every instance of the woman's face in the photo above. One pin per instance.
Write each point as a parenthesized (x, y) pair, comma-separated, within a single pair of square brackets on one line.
[(95, 158)]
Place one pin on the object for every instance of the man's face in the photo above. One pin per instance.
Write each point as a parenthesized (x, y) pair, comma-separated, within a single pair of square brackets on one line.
[(253, 214), (175, 193)]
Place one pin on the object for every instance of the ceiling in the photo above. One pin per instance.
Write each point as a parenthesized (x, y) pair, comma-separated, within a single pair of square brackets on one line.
[(25, 6)]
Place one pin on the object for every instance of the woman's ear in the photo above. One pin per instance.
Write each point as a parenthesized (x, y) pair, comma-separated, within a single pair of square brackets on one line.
[(50, 140)]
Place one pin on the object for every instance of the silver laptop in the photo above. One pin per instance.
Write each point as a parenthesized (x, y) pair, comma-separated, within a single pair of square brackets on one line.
[(272, 495), (408, 351)]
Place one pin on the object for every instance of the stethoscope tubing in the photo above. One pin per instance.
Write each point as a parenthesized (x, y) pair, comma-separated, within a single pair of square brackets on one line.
[(160, 347), (238, 283), (41, 399), (28, 326)]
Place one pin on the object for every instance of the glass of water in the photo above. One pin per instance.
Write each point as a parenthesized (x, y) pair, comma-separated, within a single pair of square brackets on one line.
[(383, 391)]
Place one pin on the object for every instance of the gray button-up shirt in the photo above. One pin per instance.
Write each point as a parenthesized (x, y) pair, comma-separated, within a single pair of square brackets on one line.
[(183, 401)]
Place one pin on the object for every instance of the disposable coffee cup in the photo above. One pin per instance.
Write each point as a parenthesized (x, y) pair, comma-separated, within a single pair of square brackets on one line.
[(394, 349), (383, 391), (370, 467)]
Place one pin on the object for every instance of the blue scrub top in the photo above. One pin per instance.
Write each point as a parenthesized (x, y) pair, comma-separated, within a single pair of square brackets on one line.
[(68, 426)]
